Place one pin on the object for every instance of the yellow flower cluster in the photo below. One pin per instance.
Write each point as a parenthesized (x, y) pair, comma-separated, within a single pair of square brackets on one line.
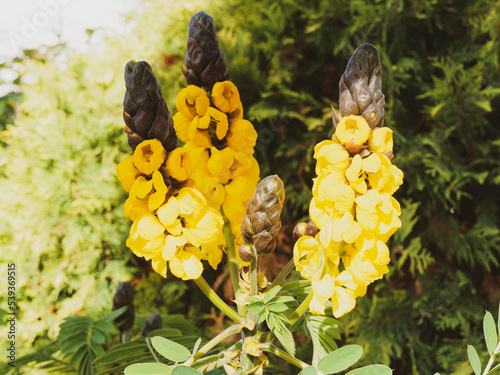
[(172, 224), (217, 158), (355, 213)]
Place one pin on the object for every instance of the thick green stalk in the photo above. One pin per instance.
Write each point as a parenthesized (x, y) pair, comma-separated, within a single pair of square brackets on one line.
[(282, 354), (492, 360), (217, 301), (232, 261), (282, 275), (232, 330), (301, 310)]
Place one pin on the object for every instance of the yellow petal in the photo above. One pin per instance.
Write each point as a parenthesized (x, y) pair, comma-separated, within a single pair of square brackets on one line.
[(169, 212), (127, 173), (149, 227)]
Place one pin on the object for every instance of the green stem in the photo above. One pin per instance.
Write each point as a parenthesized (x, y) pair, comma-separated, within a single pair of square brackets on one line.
[(205, 361), (282, 354), (232, 261), (282, 275), (232, 330), (301, 310), (492, 360), (150, 347), (218, 301)]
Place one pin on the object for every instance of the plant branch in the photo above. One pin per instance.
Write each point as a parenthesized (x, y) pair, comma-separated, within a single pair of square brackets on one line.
[(282, 275), (492, 360), (232, 260), (282, 354), (301, 310), (232, 330), (148, 341), (217, 301)]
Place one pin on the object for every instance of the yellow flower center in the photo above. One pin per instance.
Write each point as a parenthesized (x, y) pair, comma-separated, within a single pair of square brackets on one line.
[(351, 125)]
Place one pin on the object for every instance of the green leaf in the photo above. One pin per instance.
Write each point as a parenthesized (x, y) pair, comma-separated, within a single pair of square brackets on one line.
[(253, 299), (183, 370), (196, 345), (282, 299), (310, 370), (263, 316), (474, 359), (490, 332), (72, 344), (113, 314), (255, 307), (271, 294), (277, 307), (371, 370), (282, 332), (170, 349), (340, 359), (148, 369)]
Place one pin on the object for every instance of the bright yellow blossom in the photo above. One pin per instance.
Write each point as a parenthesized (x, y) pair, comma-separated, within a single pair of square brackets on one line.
[(332, 191), (387, 178), (149, 156), (225, 96), (127, 173), (192, 101), (353, 131), (381, 140), (356, 176), (331, 157), (242, 136), (179, 164)]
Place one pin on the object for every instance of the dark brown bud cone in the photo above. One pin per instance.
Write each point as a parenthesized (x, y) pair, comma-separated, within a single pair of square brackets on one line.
[(304, 229), (152, 323), (205, 64), (361, 87), (262, 222), (144, 110), (124, 296)]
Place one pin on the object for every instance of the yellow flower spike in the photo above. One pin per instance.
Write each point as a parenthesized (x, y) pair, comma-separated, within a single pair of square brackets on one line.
[(356, 176), (252, 347), (212, 190), (353, 131), (158, 197), (192, 101), (127, 173), (149, 156), (179, 164), (186, 264), (331, 157), (225, 96), (242, 137), (181, 126), (381, 141)]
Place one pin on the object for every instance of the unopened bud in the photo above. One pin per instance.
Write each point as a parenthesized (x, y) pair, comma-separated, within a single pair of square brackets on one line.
[(299, 231), (246, 253)]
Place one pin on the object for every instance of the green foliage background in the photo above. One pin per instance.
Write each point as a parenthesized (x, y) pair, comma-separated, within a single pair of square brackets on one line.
[(62, 205)]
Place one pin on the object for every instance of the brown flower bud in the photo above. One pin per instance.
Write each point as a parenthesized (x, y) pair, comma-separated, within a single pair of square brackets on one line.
[(361, 87), (262, 222), (299, 231), (311, 229), (246, 253)]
